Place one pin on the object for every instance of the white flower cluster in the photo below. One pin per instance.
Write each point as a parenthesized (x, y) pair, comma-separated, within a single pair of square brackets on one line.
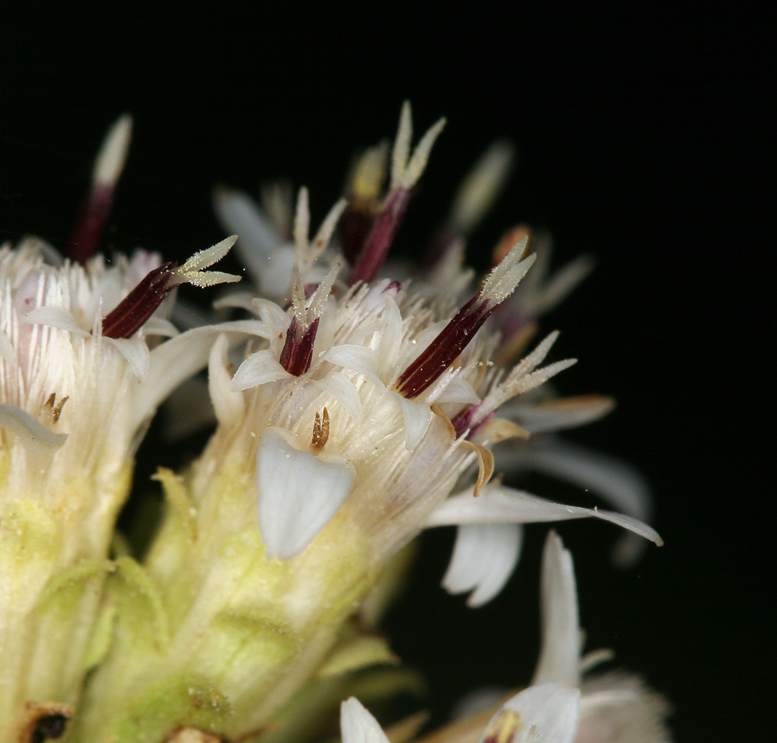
[(353, 410)]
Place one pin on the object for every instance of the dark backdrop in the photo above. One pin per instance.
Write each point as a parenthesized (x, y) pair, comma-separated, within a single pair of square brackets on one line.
[(639, 141)]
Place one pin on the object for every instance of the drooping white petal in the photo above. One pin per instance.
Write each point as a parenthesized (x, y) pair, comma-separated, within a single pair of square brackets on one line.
[(499, 504), (160, 326), (614, 481), (357, 725), (55, 317), (135, 351), (342, 390), (228, 405), (259, 368), (356, 358), (483, 560), (20, 423), (181, 357), (547, 713), (417, 417), (560, 652), (299, 492)]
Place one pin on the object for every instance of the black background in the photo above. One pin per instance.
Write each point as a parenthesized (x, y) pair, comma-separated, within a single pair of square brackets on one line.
[(641, 141)]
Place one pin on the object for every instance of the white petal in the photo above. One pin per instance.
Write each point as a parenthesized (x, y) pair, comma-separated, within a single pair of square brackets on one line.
[(275, 318), (160, 326), (547, 713), (560, 653), (341, 388), (357, 725), (356, 358), (228, 405), (259, 368), (135, 351), (174, 361), (237, 212), (417, 417), (614, 481), (499, 504), (299, 493), (458, 390), (557, 415), (483, 559), (20, 423), (55, 317)]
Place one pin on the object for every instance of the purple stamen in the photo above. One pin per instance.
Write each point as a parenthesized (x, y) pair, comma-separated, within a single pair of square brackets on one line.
[(445, 348), (463, 421), (355, 227), (298, 349), (91, 223), (137, 307), (379, 240)]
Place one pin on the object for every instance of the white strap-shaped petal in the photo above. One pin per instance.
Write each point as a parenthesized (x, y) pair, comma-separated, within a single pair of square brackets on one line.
[(259, 368), (614, 481), (31, 432), (341, 388), (357, 725), (417, 417), (483, 560), (499, 504), (237, 212), (299, 493), (135, 351), (547, 713), (560, 653), (228, 405), (55, 317), (356, 358), (160, 326), (174, 361), (556, 415), (457, 390)]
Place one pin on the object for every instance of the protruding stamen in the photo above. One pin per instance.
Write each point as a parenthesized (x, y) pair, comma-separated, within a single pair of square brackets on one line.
[(192, 272), (137, 307), (297, 353), (54, 408), (363, 192), (380, 237), (133, 311), (475, 196), (308, 252), (457, 334), (521, 379), (97, 207), (320, 431), (405, 171)]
